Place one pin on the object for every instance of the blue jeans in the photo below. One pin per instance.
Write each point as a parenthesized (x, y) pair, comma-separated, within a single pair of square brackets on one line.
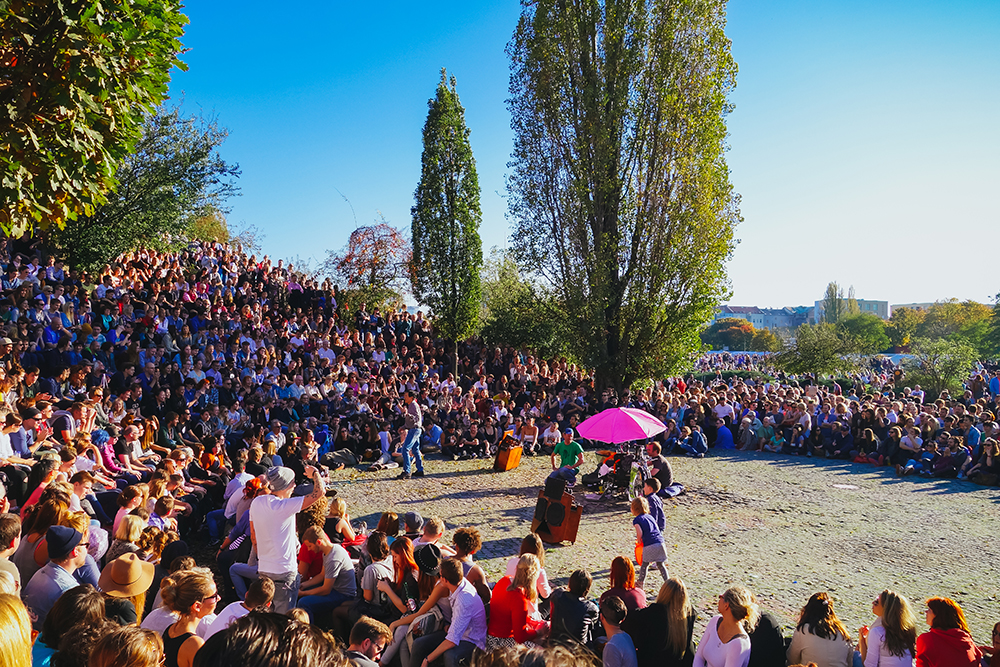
[(216, 520), (695, 448), (412, 443), (239, 571), (318, 604), (286, 589), (566, 473)]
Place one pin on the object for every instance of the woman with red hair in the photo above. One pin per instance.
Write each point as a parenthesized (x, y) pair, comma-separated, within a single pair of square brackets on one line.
[(622, 580), (948, 642), (403, 590)]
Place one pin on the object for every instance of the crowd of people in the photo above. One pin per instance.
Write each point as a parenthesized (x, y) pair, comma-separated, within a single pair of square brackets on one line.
[(174, 400)]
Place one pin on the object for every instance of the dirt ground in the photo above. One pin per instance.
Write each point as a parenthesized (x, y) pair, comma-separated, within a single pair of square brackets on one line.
[(784, 527)]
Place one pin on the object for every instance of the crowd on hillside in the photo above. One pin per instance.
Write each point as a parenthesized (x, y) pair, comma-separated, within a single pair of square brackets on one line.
[(204, 396)]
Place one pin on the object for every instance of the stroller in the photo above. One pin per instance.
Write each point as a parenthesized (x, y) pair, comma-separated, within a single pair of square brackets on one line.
[(623, 470)]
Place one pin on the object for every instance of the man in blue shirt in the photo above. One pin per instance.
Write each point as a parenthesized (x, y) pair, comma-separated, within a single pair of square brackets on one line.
[(67, 552)]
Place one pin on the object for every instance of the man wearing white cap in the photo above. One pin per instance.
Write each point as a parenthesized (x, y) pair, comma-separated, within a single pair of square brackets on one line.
[(272, 529)]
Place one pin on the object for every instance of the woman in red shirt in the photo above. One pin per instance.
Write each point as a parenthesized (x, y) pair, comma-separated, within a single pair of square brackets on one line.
[(511, 607), (948, 642)]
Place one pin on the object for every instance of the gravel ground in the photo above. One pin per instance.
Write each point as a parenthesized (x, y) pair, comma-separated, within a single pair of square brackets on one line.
[(783, 527)]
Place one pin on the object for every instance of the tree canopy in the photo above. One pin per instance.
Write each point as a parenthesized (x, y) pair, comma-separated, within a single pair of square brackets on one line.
[(78, 80), (822, 349), (518, 313), (738, 334), (940, 364), (374, 266), (867, 330), (167, 187), (447, 251), (619, 187)]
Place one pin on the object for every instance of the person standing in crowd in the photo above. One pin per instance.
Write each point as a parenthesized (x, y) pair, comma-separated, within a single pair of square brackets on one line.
[(272, 529), (648, 534), (411, 447)]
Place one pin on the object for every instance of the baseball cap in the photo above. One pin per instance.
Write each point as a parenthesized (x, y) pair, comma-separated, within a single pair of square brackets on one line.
[(412, 522), (569, 431)]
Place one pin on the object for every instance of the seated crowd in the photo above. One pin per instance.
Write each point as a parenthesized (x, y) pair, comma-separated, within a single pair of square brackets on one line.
[(174, 399)]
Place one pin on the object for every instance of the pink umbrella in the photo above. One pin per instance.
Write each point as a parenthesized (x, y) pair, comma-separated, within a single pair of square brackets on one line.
[(616, 425)]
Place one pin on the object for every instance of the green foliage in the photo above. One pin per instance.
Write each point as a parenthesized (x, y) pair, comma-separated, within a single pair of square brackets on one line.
[(991, 342), (373, 266), (822, 349), (867, 330), (940, 364), (836, 306), (517, 313), (620, 192), (447, 251), (765, 340), (966, 321), (209, 226), (903, 326), (174, 178), (78, 80)]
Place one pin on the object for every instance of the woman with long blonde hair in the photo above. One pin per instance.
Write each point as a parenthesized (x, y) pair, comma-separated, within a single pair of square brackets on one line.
[(15, 633), (663, 632), (726, 639), (513, 605), (891, 640)]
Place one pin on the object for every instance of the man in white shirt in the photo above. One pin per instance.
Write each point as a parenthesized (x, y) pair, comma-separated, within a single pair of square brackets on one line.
[(468, 622), (258, 598), (272, 529)]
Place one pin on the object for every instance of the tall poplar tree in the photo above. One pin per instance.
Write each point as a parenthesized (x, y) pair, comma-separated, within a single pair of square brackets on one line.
[(447, 251), (620, 192)]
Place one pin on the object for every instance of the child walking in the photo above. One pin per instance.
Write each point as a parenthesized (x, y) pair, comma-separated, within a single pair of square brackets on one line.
[(648, 534)]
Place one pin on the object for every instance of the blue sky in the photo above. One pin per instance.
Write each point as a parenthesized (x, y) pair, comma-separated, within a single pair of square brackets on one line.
[(864, 142)]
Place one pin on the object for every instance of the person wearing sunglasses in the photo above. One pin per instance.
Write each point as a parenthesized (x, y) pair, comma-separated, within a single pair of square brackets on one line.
[(193, 595), (368, 639)]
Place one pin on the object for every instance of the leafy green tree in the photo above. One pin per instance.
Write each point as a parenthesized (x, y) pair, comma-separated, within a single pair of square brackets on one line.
[(868, 331), (518, 313), (174, 177), (836, 306), (903, 326), (940, 364), (765, 340), (945, 319), (818, 348), (78, 80), (991, 342), (447, 251), (619, 188)]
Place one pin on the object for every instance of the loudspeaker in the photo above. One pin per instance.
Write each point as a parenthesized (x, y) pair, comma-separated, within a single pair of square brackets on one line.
[(556, 520), (555, 487), (507, 459)]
